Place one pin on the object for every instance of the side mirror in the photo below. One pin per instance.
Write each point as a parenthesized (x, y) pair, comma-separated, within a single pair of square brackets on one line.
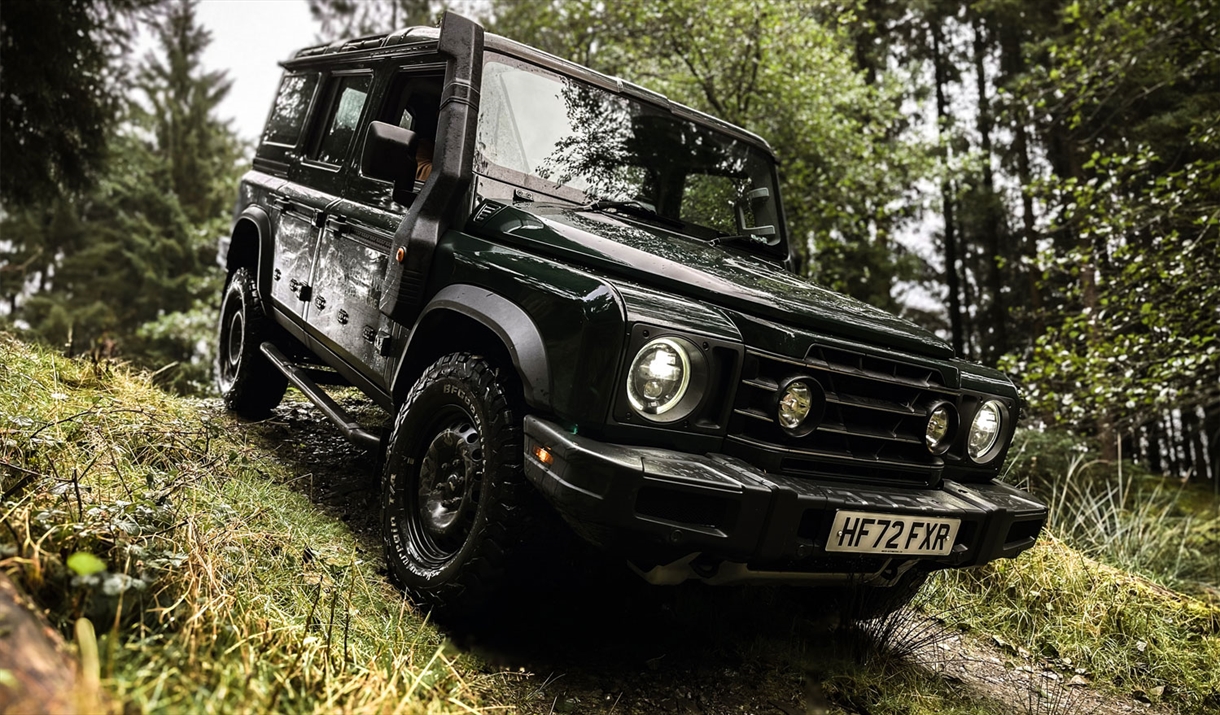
[(389, 155), (754, 200)]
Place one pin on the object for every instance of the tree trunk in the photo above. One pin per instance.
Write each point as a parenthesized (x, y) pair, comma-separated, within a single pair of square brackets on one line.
[(1211, 428), (1012, 66), (997, 345), (947, 199)]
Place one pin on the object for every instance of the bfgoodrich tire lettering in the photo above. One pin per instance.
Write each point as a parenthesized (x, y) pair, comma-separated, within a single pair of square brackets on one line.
[(250, 385), (452, 489)]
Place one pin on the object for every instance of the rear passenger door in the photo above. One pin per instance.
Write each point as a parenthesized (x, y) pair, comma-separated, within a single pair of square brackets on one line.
[(314, 187), (279, 151), (355, 247)]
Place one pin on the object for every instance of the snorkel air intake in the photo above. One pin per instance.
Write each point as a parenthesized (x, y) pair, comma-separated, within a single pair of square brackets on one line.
[(461, 43)]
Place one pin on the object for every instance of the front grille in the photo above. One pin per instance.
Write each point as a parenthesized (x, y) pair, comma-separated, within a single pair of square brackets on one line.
[(873, 426)]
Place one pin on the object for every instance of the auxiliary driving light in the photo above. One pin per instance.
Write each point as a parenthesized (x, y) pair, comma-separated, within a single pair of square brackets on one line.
[(799, 406), (941, 428), (794, 404)]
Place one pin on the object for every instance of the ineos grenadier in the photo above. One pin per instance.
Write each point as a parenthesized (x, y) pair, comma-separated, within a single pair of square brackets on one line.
[(560, 281)]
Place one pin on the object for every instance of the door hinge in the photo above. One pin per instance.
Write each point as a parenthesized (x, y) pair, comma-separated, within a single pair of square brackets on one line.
[(303, 291)]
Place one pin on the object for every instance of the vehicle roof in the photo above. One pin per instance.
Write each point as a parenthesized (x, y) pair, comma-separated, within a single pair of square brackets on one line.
[(416, 40)]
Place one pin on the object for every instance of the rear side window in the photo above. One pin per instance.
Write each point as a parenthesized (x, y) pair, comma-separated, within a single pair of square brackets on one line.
[(288, 113), (343, 118)]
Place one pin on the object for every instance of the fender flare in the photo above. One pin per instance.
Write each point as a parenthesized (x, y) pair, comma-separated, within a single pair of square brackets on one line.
[(257, 216), (512, 325)]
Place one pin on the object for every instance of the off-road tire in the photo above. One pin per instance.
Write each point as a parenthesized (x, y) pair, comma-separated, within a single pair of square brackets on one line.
[(250, 385), (459, 428)]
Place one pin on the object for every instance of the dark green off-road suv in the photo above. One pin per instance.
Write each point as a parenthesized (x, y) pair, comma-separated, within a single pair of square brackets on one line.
[(563, 283)]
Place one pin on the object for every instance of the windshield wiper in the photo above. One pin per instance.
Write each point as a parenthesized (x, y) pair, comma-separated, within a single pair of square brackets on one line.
[(752, 239), (635, 208)]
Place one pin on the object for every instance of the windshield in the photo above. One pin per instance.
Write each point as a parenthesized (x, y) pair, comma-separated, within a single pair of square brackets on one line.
[(571, 139)]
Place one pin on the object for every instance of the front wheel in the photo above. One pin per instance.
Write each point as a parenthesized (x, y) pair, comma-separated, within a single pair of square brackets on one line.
[(250, 385), (452, 489)]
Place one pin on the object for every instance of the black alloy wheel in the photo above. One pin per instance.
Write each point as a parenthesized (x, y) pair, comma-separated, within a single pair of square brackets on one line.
[(453, 487), (250, 385)]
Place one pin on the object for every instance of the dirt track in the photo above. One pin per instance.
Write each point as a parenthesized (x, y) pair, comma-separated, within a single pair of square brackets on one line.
[(589, 637)]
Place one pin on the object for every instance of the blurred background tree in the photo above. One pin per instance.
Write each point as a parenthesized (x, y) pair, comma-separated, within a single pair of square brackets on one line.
[(120, 259)]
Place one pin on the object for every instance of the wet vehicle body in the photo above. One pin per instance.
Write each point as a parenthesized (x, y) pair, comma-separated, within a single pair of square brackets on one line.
[(559, 281)]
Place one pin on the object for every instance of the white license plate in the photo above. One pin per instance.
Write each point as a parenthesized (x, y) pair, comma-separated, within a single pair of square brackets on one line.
[(870, 533)]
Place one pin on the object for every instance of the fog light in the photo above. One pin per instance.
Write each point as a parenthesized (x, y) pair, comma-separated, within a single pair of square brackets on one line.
[(794, 405), (941, 428)]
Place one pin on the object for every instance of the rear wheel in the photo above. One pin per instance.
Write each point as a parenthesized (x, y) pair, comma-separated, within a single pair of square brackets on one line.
[(251, 386), (453, 492)]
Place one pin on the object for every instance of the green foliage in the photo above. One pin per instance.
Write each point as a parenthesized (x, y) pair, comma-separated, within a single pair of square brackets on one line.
[(59, 93), (1128, 99), (178, 106), (1151, 338), (127, 268)]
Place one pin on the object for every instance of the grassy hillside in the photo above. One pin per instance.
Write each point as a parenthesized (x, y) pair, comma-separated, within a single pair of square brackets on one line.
[(214, 583)]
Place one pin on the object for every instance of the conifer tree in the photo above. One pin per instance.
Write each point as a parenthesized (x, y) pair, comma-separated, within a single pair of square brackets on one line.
[(131, 269)]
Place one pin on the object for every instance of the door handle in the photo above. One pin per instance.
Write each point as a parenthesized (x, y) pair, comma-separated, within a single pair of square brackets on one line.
[(336, 224)]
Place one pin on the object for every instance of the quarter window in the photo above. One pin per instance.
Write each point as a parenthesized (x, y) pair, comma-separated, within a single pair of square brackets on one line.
[(288, 113), (343, 118)]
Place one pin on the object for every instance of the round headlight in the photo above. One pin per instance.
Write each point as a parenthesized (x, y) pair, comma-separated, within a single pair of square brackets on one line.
[(942, 425), (985, 431), (794, 405), (658, 377)]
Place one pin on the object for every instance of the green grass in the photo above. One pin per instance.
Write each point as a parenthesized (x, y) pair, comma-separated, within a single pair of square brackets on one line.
[(1122, 631), (1122, 515), (1122, 585), (223, 588)]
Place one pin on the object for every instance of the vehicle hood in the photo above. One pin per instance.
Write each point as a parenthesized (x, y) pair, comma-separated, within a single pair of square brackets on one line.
[(680, 265)]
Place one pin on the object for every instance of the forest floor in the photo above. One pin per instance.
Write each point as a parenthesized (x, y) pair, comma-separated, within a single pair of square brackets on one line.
[(231, 566), (600, 640)]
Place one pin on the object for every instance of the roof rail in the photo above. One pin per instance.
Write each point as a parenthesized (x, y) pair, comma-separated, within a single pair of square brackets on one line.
[(369, 42)]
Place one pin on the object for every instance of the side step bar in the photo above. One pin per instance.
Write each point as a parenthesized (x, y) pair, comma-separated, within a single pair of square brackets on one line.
[(354, 433)]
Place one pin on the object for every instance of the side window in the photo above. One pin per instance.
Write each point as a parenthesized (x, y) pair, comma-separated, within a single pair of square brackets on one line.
[(412, 102), (342, 118), (288, 114)]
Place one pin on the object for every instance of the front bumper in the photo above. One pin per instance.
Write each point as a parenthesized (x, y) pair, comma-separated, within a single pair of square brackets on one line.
[(677, 515)]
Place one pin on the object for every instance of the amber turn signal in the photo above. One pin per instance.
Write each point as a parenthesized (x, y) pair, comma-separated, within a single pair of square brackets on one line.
[(401, 255), (544, 456)]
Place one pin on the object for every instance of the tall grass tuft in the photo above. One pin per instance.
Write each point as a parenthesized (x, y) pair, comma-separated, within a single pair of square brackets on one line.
[(211, 584), (1122, 515)]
